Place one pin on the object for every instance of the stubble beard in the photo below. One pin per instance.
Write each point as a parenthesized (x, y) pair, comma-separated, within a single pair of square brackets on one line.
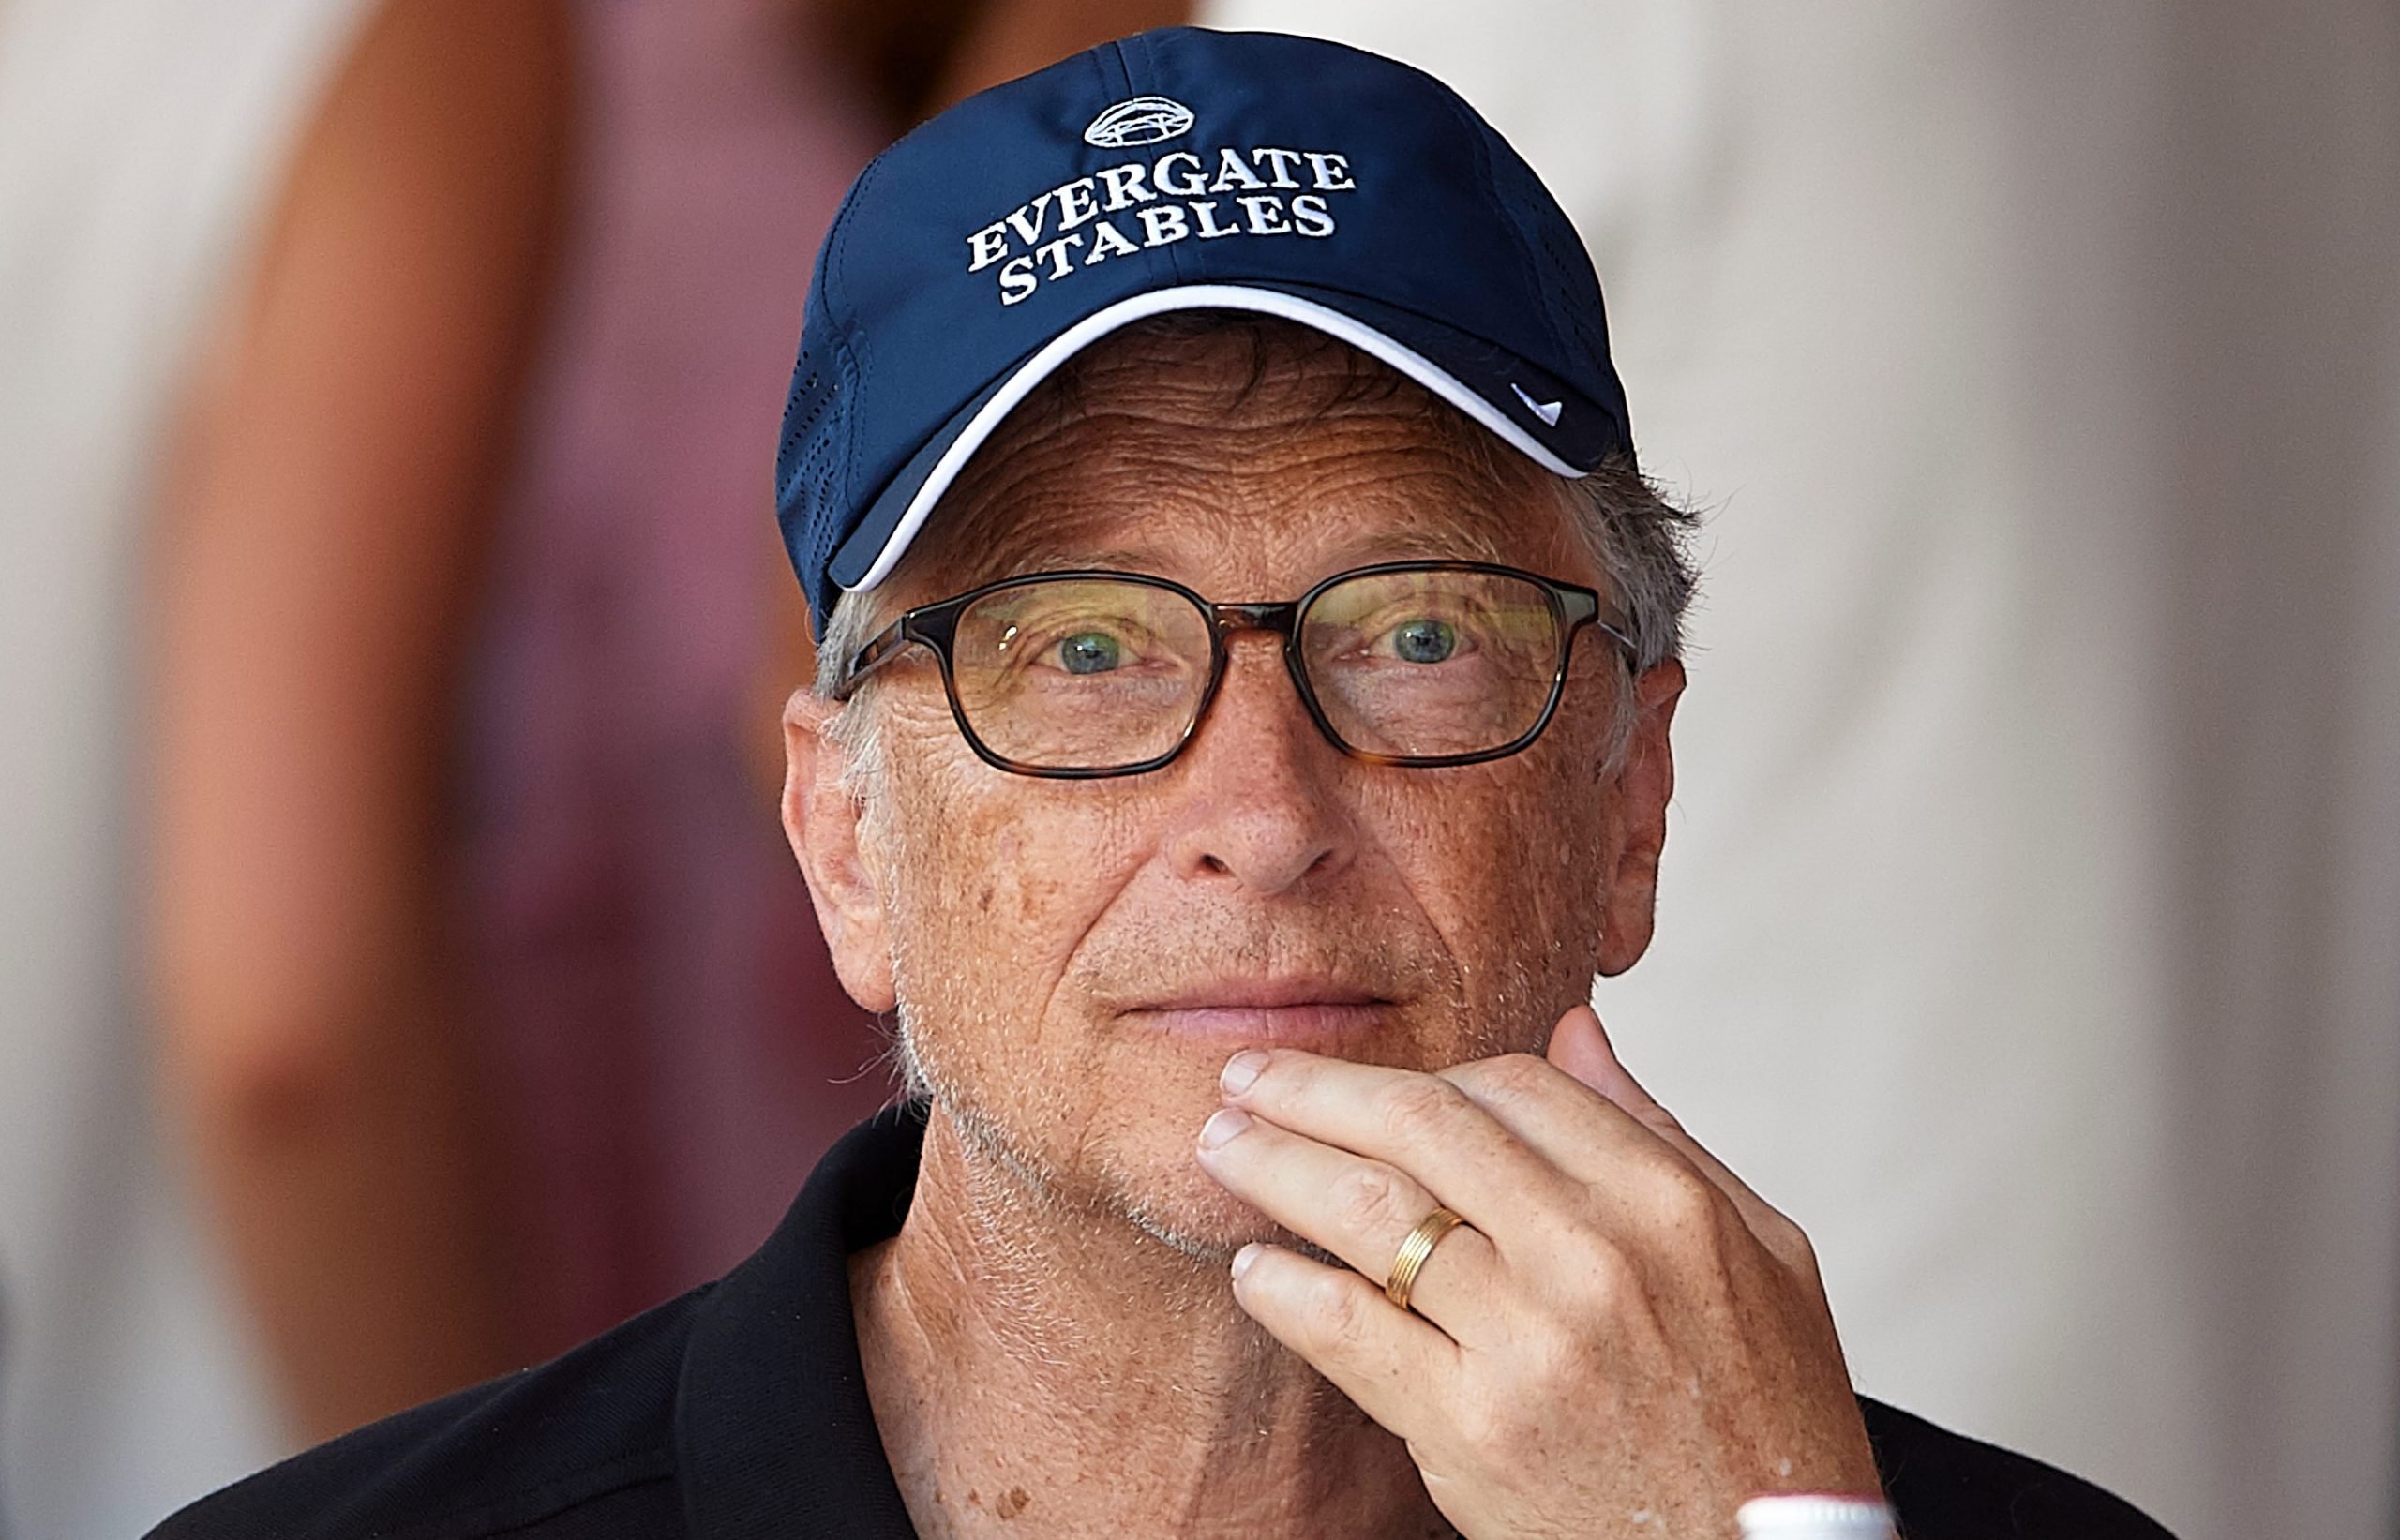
[(1111, 1197), (989, 1140)]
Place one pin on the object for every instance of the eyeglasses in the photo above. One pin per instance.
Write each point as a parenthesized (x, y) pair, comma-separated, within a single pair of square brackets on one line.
[(1080, 675)]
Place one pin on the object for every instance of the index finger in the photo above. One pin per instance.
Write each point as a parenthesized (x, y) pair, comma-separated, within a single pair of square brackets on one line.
[(1421, 1124)]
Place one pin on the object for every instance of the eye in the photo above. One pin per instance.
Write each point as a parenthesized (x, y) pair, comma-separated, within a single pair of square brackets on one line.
[(1424, 640), (1089, 653)]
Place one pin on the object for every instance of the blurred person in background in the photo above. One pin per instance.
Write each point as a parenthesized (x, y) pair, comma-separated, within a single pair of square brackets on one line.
[(668, 1044), (269, 274), (2038, 858)]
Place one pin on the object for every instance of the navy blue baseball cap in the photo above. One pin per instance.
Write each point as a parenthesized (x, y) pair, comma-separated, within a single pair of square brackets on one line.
[(1176, 170)]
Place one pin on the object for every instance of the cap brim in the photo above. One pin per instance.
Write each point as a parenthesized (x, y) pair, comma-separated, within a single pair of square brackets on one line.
[(1522, 404)]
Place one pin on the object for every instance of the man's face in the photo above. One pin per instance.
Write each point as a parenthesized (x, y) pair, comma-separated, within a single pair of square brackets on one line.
[(1075, 960)]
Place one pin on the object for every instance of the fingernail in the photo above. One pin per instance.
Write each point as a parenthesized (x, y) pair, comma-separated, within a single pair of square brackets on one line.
[(1242, 1072), (1243, 1258), (1222, 1127)]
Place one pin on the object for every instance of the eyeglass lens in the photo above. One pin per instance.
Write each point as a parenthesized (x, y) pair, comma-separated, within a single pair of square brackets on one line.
[(1096, 673)]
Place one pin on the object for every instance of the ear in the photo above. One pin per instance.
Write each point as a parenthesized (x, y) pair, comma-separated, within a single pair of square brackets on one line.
[(1644, 784), (821, 820)]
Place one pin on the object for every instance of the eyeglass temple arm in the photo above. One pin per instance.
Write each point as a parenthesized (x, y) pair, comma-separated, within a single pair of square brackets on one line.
[(1582, 607), (881, 649)]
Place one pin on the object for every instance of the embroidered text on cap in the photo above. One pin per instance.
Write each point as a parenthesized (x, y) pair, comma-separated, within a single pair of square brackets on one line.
[(1142, 120)]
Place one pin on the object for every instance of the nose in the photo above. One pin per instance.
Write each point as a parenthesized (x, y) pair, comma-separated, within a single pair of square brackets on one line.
[(1259, 784)]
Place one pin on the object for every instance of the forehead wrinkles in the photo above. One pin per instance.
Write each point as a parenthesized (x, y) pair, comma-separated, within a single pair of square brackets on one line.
[(1214, 430)]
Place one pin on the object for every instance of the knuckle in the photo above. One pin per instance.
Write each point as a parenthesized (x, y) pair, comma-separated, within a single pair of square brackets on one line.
[(1554, 1356), (1370, 1197), (1332, 1312), (1602, 1274), (1496, 1421), (1513, 1077), (1685, 1199), (1418, 1103)]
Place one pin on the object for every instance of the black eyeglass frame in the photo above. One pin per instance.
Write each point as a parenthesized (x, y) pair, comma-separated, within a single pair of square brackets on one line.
[(934, 627)]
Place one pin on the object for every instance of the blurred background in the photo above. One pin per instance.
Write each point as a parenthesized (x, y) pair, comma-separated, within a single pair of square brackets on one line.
[(401, 973)]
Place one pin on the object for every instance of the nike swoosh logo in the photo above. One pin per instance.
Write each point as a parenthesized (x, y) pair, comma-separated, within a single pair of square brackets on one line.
[(1547, 411)]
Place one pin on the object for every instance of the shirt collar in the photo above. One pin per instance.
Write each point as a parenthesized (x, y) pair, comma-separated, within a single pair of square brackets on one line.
[(774, 1433)]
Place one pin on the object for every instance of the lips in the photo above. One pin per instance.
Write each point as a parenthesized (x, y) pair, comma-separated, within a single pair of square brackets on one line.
[(1263, 995), (1266, 1010)]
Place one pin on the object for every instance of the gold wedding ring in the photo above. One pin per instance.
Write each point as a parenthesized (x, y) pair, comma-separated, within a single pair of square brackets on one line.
[(1410, 1260)]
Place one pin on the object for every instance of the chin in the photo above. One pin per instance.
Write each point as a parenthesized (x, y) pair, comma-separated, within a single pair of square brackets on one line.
[(1207, 1223), (1148, 1177)]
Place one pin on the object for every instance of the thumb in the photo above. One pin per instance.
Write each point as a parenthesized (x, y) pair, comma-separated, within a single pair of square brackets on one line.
[(1580, 1046)]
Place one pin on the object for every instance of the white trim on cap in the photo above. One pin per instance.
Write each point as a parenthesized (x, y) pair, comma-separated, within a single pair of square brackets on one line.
[(1194, 296)]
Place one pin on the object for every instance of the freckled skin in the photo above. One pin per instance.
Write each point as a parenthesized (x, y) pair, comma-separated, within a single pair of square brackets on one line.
[(1026, 1332), (1470, 897)]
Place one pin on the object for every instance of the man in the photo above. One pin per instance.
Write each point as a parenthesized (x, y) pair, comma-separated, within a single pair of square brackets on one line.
[(1242, 738)]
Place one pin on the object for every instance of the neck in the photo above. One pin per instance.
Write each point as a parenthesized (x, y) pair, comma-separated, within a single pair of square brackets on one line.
[(1026, 1360)]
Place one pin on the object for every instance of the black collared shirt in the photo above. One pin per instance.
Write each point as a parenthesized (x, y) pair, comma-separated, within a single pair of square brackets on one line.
[(740, 1411)]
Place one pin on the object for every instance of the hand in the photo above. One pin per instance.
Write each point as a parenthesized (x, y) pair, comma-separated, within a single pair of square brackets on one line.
[(1622, 1340)]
